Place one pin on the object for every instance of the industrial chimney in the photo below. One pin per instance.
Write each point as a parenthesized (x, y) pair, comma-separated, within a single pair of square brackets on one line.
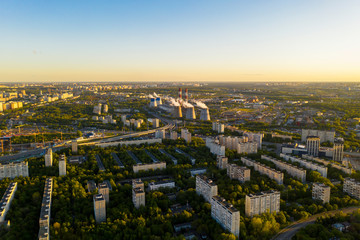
[(190, 113), (177, 112), (204, 114)]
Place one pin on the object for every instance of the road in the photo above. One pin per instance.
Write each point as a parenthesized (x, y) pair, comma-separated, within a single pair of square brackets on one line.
[(288, 232)]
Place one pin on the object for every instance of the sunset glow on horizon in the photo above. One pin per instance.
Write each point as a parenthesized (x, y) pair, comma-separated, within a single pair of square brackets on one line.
[(180, 41)]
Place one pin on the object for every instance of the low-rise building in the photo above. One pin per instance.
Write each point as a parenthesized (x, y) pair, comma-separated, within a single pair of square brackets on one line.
[(307, 164), (321, 192), (206, 187), (161, 184), (225, 214), (238, 172), (262, 202), (215, 147), (149, 166), (247, 147)]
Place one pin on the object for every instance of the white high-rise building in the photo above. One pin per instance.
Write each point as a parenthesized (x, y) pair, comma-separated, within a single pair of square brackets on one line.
[(238, 172), (48, 158), (225, 214), (206, 187), (103, 189), (313, 145), (352, 187), (62, 165)]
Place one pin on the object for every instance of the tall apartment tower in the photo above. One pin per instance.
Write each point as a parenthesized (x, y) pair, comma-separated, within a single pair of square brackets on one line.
[(62, 165), (321, 192), (206, 187), (262, 202), (338, 153), (74, 146), (103, 189), (225, 214), (48, 158), (313, 145), (138, 193), (99, 208)]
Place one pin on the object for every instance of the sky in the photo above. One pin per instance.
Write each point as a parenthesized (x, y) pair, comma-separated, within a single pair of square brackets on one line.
[(179, 40)]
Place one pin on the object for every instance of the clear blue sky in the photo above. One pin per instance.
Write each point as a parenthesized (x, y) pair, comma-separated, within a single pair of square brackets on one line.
[(180, 40)]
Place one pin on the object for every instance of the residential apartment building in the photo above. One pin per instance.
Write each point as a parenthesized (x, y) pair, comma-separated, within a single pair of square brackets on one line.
[(215, 147), (261, 168), (262, 202), (292, 170), (149, 166), (321, 192), (221, 162), (48, 158), (62, 165), (238, 172), (6, 200), (99, 208), (74, 146), (218, 127), (352, 187), (160, 134), (307, 164), (138, 193), (225, 214), (161, 184), (14, 169), (103, 189), (247, 147), (344, 169), (44, 221), (206, 187), (186, 135)]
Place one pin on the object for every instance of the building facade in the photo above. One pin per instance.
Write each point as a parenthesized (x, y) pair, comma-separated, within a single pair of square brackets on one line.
[(225, 214), (321, 192), (161, 184), (238, 172), (48, 158), (262, 202), (261, 168), (12, 170), (149, 166), (352, 187), (221, 162), (62, 165), (6, 200), (292, 170), (307, 164), (206, 187), (313, 145), (338, 150), (99, 208)]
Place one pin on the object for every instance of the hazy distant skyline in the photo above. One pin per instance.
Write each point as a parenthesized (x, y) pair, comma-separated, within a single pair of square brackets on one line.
[(202, 40)]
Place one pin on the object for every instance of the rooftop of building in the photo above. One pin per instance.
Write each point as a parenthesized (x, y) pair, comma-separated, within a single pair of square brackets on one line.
[(206, 179), (138, 190), (322, 185), (98, 197), (102, 185), (161, 182), (264, 193), (227, 205)]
